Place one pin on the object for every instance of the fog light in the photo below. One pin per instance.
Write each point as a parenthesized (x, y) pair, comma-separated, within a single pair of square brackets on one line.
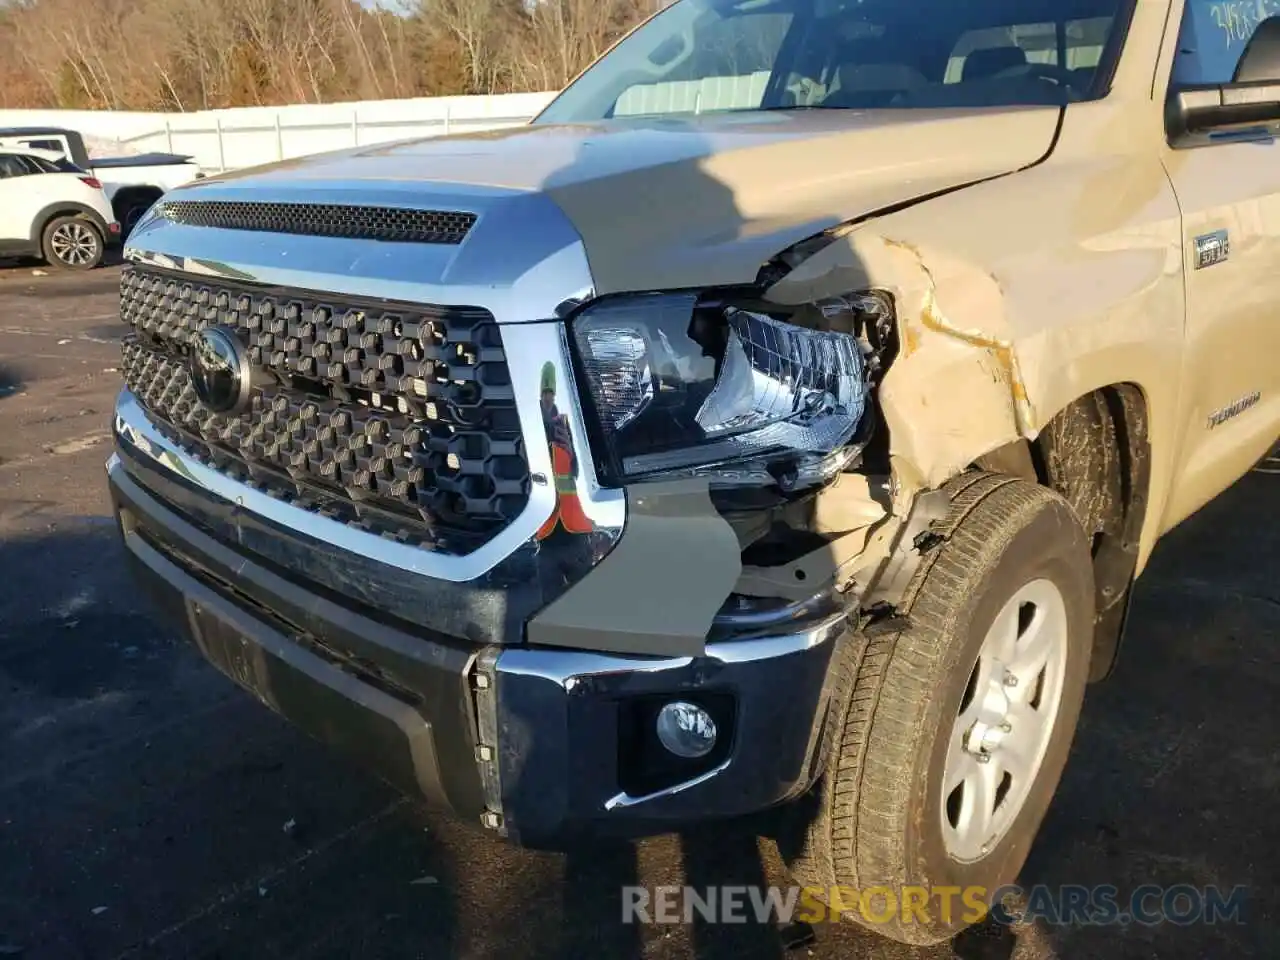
[(686, 730)]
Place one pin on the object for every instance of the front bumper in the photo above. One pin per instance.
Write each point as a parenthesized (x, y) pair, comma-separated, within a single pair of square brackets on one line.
[(539, 744)]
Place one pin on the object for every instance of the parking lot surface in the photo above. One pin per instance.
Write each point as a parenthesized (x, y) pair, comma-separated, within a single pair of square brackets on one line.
[(150, 809)]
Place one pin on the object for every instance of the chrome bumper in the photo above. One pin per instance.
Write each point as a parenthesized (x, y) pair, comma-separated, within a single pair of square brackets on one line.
[(539, 745), (564, 762)]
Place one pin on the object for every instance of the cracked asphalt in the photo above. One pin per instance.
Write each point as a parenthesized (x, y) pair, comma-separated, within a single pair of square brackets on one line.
[(150, 809)]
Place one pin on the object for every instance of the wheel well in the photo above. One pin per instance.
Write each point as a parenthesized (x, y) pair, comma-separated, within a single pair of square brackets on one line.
[(1096, 454), (126, 196), (48, 216)]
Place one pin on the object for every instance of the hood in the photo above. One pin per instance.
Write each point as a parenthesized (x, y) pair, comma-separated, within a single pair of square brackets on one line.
[(673, 203)]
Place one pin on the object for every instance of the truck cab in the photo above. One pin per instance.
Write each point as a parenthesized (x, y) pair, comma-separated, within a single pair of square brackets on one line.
[(779, 422)]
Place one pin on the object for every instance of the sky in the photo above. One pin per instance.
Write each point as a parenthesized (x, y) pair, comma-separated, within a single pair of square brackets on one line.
[(392, 5)]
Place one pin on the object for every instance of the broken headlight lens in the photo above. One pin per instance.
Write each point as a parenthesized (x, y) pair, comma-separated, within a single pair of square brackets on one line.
[(682, 387)]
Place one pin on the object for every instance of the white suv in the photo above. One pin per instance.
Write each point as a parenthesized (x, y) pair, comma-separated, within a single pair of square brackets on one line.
[(52, 209)]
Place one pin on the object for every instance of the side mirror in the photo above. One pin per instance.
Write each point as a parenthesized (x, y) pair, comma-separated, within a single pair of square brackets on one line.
[(1251, 100), (1260, 61)]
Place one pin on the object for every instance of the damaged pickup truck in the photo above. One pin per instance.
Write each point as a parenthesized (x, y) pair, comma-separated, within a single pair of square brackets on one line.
[(778, 423)]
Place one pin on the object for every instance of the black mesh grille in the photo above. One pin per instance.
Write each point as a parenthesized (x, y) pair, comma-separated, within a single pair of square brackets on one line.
[(325, 220), (394, 418)]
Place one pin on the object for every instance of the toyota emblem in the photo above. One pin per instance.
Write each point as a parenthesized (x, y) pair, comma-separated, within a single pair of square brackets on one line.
[(220, 371)]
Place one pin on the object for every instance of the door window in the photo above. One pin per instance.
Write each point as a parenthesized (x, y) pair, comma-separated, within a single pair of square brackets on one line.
[(41, 165), (1082, 43), (1214, 34), (12, 166), (55, 145), (1036, 42)]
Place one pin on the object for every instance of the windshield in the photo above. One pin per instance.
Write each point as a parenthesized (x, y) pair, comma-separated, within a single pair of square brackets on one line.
[(711, 56)]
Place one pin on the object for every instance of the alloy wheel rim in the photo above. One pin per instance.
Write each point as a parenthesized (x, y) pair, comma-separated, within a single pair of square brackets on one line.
[(74, 243), (1005, 722)]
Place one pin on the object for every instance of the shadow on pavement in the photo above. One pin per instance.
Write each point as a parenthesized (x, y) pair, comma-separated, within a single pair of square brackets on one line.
[(151, 809), (717, 856), (10, 381), (593, 882)]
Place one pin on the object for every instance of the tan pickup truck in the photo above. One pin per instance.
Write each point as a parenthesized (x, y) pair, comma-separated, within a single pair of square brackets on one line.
[(778, 423)]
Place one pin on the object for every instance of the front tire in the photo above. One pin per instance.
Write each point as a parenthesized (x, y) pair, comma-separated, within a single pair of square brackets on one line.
[(947, 739), (72, 243)]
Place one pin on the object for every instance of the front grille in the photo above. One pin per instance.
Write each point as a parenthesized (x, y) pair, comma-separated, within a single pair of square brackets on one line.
[(394, 418), (325, 220)]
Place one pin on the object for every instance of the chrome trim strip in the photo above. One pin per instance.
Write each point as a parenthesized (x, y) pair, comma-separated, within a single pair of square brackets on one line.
[(624, 800), (571, 668), (139, 436)]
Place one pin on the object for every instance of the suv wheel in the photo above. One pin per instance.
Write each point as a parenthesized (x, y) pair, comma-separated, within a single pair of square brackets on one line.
[(947, 740), (73, 243)]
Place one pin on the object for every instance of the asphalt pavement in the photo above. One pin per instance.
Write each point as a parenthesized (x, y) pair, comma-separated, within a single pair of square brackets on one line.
[(150, 809)]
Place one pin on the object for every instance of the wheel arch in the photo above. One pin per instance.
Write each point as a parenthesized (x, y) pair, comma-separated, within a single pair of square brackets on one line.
[(124, 197), (65, 208), (1096, 452)]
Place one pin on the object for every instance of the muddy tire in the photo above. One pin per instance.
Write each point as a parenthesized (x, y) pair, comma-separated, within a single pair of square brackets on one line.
[(993, 665), (72, 243)]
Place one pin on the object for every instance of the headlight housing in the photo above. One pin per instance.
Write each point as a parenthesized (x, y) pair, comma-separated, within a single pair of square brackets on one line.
[(683, 384)]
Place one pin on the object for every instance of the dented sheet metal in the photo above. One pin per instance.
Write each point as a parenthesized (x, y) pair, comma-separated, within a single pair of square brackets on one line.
[(658, 591), (935, 319), (943, 360)]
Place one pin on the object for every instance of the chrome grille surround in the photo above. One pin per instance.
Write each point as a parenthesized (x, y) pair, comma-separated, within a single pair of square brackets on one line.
[(523, 262), (396, 418)]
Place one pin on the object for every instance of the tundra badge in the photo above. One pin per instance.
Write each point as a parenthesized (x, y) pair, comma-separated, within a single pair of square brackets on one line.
[(1218, 417), (1212, 248)]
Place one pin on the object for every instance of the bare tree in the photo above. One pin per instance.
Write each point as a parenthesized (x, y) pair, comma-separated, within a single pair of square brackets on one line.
[(562, 37), (481, 28), (198, 54)]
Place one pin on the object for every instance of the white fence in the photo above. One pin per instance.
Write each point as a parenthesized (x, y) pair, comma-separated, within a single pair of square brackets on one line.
[(694, 96), (247, 136)]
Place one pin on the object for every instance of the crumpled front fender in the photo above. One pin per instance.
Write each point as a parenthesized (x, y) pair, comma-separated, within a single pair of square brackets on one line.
[(955, 350)]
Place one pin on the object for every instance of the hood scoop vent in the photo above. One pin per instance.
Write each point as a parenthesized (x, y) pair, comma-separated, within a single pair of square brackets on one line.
[(392, 224)]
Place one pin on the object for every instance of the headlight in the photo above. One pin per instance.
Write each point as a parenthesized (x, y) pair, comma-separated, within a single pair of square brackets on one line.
[(680, 386)]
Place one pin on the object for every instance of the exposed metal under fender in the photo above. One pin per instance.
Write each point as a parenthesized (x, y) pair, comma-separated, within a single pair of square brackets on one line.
[(855, 512)]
